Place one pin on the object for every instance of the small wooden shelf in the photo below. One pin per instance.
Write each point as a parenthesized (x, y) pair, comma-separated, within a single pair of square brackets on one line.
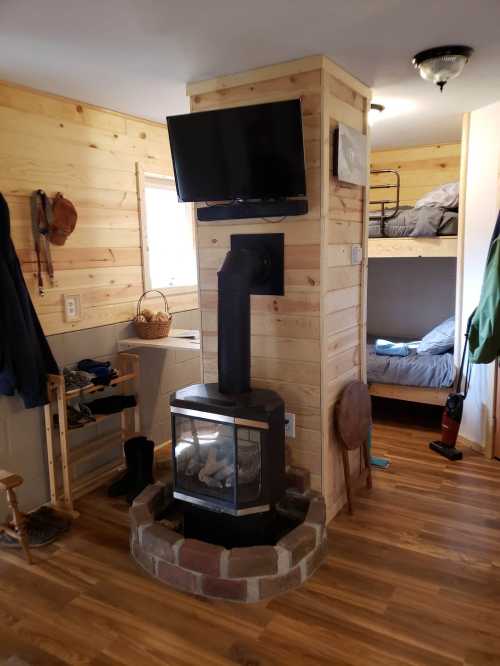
[(178, 339), (88, 390), (65, 487), (411, 247)]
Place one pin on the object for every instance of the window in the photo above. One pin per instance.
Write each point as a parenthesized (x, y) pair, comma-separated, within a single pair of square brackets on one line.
[(169, 254)]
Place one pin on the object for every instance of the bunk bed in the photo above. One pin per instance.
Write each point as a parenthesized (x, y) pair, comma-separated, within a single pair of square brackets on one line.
[(401, 231), (397, 231), (426, 378)]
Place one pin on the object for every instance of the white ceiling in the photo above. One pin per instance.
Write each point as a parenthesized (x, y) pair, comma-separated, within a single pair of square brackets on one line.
[(136, 55)]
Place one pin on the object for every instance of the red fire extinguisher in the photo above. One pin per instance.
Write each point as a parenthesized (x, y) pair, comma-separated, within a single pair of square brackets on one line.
[(452, 415)]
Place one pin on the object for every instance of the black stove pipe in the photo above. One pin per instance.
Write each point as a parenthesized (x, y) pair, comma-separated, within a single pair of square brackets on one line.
[(241, 268)]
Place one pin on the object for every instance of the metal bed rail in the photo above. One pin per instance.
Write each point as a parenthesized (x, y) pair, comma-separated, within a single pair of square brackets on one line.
[(396, 184)]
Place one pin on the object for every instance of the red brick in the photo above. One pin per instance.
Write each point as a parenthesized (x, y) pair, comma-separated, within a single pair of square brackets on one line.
[(200, 556), (317, 512), (143, 558), (299, 542), (152, 497), (273, 585), (177, 577), (159, 541), (298, 478), (224, 588), (316, 558), (255, 561), (139, 515)]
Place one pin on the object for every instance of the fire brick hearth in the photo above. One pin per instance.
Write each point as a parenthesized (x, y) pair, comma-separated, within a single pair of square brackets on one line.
[(247, 574)]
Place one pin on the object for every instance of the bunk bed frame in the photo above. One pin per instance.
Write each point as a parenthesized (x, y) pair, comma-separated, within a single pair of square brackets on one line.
[(409, 247), (406, 247)]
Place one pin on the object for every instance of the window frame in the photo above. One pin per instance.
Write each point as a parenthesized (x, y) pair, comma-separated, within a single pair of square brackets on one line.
[(162, 181)]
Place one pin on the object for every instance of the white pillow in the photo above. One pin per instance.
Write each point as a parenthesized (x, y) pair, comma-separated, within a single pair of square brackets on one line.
[(445, 196), (440, 339)]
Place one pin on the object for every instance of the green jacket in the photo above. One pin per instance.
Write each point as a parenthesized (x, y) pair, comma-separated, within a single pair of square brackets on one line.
[(484, 338)]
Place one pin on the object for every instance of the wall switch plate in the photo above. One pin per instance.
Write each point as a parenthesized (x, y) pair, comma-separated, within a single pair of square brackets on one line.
[(72, 307), (356, 254), (289, 424)]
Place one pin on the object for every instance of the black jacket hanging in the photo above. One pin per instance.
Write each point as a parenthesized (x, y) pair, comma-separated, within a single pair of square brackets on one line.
[(25, 356)]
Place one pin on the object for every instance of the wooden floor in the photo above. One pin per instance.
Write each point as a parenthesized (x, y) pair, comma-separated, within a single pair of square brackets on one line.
[(412, 578)]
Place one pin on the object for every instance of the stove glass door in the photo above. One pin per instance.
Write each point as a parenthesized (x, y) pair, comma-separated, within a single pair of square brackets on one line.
[(249, 468), (204, 458)]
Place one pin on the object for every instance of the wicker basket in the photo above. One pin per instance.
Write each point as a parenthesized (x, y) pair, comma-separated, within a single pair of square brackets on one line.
[(152, 330)]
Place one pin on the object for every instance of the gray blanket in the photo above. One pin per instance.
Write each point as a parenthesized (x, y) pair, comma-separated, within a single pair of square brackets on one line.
[(425, 221), (430, 370)]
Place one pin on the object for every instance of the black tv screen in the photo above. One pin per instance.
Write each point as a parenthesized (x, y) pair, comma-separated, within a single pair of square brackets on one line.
[(249, 152)]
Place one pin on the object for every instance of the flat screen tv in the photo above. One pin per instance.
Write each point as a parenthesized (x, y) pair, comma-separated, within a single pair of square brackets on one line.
[(244, 153)]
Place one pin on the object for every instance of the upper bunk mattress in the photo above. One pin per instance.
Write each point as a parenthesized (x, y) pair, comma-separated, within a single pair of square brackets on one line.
[(416, 222), (428, 370)]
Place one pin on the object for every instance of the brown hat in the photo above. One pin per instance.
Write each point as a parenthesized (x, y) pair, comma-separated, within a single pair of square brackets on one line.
[(64, 218)]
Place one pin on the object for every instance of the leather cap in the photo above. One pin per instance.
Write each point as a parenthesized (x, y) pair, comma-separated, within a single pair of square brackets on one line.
[(64, 218)]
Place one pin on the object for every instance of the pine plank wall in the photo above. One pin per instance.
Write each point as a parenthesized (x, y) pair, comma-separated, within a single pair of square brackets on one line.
[(421, 168), (305, 344), (285, 329), (90, 155)]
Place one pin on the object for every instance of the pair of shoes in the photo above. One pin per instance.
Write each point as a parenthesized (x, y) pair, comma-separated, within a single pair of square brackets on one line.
[(76, 379), (77, 417), (139, 458), (101, 371), (112, 404), (42, 526)]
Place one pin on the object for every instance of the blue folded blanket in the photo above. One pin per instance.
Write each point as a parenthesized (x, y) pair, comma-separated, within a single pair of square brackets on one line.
[(388, 348)]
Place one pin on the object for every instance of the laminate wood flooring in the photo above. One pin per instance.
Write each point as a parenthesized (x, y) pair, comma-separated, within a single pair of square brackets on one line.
[(412, 578)]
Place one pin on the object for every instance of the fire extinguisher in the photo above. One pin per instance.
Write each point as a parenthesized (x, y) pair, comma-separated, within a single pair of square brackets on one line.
[(453, 410)]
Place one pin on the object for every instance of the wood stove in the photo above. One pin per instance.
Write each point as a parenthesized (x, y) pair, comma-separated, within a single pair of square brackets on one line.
[(228, 441), (228, 449)]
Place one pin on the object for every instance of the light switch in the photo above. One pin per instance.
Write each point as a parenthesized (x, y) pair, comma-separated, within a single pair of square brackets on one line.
[(356, 254), (72, 307)]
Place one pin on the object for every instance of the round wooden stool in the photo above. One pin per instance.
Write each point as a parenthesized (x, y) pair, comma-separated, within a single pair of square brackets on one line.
[(353, 420), (8, 482)]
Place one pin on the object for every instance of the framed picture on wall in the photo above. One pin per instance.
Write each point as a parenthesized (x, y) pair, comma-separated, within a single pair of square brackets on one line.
[(349, 155)]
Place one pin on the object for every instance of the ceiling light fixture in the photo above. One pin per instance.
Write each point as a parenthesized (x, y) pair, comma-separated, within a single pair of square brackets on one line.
[(443, 63), (374, 113)]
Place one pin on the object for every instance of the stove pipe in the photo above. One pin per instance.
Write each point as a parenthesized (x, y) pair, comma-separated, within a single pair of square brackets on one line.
[(241, 268)]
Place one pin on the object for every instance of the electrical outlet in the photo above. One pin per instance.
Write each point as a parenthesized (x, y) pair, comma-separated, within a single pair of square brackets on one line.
[(356, 254), (289, 424), (72, 307)]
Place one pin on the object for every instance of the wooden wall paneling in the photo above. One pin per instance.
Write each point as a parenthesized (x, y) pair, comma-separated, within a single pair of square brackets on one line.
[(464, 156), (90, 154), (343, 300), (364, 264), (293, 335), (285, 330), (421, 168)]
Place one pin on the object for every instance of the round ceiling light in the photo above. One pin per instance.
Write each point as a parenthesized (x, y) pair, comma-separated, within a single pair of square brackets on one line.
[(442, 63)]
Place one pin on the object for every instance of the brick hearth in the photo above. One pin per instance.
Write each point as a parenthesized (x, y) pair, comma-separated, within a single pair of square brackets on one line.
[(238, 574)]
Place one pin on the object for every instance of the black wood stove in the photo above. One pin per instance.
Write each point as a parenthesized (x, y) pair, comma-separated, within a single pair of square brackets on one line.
[(228, 440)]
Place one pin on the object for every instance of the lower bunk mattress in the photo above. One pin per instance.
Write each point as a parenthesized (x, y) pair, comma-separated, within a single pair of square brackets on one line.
[(415, 222), (425, 370)]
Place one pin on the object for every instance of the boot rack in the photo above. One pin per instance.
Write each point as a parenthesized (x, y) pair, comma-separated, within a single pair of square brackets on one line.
[(65, 486)]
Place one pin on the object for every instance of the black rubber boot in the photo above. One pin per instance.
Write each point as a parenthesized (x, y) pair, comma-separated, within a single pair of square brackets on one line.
[(123, 484), (143, 473)]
